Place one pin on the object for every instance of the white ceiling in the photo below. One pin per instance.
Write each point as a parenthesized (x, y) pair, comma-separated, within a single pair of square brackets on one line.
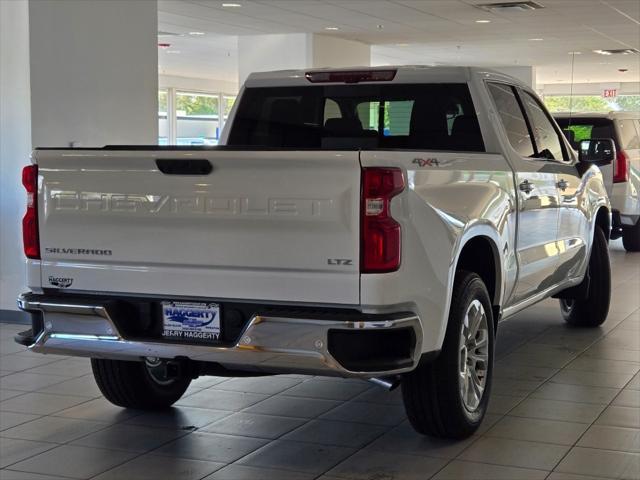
[(416, 31)]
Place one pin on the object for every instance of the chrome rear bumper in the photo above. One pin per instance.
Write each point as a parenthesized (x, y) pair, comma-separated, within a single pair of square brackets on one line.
[(268, 344)]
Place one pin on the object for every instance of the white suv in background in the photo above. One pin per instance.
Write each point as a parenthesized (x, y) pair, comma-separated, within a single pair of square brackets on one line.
[(624, 128)]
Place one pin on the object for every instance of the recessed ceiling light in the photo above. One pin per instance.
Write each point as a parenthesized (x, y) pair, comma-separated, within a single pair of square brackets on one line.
[(483, 21), (536, 39), (402, 44), (231, 5), (173, 52), (602, 52), (331, 28), (574, 53), (196, 34)]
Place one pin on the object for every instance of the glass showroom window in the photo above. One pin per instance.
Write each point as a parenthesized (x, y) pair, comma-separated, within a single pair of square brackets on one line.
[(163, 121), (197, 118), (592, 103)]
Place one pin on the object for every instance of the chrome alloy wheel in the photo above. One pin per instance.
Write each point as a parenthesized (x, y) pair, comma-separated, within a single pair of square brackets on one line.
[(474, 356)]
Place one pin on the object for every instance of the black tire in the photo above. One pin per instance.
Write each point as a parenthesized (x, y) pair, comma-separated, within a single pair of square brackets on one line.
[(131, 385), (432, 392), (631, 238), (592, 310)]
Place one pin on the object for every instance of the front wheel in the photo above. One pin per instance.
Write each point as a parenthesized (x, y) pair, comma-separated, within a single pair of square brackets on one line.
[(592, 310), (449, 396), (144, 385)]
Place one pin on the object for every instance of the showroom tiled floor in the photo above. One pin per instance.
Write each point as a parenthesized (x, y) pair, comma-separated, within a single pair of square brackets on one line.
[(565, 406)]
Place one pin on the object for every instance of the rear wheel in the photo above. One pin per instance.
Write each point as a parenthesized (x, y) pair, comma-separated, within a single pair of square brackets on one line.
[(631, 238), (592, 310), (142, 385), (449, 397)]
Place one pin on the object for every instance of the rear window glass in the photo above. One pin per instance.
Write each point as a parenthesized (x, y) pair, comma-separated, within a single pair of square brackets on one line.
[(582, 128), (429, 117)]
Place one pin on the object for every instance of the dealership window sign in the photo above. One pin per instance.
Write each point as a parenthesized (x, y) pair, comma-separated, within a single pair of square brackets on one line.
[(609, 90)]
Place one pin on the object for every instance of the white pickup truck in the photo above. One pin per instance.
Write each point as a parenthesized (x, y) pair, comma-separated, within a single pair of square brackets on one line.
[(375, 223)]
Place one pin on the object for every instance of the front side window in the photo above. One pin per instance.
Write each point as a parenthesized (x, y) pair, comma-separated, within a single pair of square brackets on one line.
[(512, 118), (421, 117), (581, 128), (546, 137)]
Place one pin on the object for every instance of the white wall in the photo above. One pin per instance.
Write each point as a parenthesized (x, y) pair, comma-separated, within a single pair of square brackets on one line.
[(262, 53), (337, 52), (15, 144), (94, 72)]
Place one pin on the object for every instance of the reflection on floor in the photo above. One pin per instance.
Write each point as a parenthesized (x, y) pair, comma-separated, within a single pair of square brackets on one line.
[(566, 405)]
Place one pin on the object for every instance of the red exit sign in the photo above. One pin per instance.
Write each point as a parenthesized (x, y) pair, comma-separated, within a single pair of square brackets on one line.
[(610, 93)]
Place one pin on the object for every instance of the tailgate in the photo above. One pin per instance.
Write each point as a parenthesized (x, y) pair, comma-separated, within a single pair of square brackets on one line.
[(262, 225)]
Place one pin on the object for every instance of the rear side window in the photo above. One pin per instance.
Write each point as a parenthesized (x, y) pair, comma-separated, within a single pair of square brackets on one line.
[(512, 118), (629, 136), (422, 117), (547, 139)]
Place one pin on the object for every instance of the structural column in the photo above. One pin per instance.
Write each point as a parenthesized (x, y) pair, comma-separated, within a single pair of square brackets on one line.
[(261, 53)]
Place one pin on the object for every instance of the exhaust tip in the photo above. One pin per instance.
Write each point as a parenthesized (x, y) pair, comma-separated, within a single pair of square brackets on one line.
[(388, 383)]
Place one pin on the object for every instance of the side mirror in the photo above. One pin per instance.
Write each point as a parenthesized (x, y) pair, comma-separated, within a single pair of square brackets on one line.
[(600, 151)]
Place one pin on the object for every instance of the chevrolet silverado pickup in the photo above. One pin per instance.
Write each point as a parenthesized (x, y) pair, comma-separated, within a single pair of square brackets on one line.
[(371, 223)]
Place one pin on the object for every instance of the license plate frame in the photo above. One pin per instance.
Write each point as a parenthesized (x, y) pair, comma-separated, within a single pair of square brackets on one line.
[(191, 322)]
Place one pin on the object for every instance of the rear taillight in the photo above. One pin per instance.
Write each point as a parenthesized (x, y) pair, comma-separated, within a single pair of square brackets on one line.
[(380, 234), (621, 168), (30, 236)]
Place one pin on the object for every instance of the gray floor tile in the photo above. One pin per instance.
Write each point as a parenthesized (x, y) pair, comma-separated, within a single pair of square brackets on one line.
[(375, 414), (612, 353), (221, 400), (15, 475), (604, 463), (298, 407), (342, 434), (100, 410), (245, 472), (620, 417), (404, 439), (12, 451), (366, 465), (6, 394), (297, 456), (502, 404), (557, 410), (80, 386), (627, 398), (328, 390), (591, 364), (264, 385), (611, 438), (575, 393), (523, 372), (592, 379), (11, 419), (538, 430), (53, 429), (179, 418), (40, 403), (18, 363), (515, 388), (158, 467), (380, 395), (458, 470), (73, 461), (29, 382), (548, 359), (515, 453), (211, 447), (72, 367), (254, 425), (572, 476), (134, 438)]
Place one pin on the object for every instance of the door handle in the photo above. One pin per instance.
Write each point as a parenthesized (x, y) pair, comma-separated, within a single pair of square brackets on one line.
[(526, 186), (179, 166), (562, 184)]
